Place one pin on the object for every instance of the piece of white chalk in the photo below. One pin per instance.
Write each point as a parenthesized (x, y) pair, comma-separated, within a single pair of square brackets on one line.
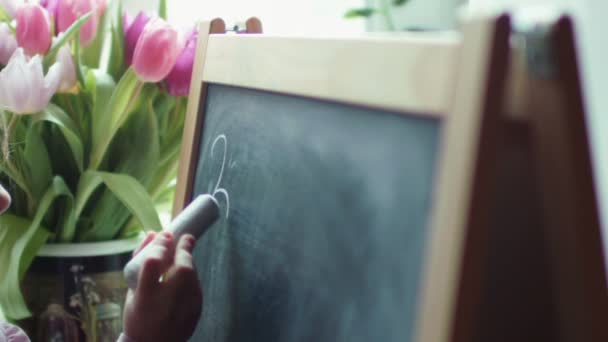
[(195, 219)]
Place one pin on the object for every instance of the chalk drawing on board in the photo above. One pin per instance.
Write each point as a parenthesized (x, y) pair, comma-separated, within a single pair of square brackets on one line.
[(218, 190)]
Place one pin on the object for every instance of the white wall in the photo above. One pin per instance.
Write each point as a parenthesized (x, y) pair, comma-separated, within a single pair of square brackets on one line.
[(278, 16)]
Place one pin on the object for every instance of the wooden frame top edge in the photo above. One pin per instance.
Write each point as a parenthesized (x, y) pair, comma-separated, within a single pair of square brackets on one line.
[(417, 72), (446, 37)]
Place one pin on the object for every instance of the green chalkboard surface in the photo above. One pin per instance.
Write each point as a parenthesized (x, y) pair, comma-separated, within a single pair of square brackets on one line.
[(326, 211)]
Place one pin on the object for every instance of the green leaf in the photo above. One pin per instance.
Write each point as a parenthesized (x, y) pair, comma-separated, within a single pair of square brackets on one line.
[(400, 2), (24, 245), (116, 113), (68, 35), (129, 192), (91, 55), (101, 86), (134, 151), (116, 62), (39, 165), (364, 12), (4, 17), (58, 117), (78, 60), (11, 230), (162, 9)]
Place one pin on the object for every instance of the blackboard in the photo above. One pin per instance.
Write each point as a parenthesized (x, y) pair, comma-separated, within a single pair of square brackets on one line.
[(324, 235)]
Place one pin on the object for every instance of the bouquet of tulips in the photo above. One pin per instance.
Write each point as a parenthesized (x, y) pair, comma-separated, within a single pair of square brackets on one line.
[(92, 106)]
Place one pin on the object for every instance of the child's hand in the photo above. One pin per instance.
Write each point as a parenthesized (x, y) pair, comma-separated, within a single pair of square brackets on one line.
[(167, 309)]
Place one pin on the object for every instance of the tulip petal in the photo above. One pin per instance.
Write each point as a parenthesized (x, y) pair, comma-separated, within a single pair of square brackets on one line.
[(68, 70), (33, 29), (23, 87), (51, 82), (69, 11), (133, 31), (156, 51), (10, 6), (178, 80), (8, 43)]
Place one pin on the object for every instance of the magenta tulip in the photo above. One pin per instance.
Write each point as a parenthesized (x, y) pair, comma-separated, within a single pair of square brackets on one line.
[(33, 29), (51, 7), (156, 51), (133, 30), (68, 11), (178, 80)]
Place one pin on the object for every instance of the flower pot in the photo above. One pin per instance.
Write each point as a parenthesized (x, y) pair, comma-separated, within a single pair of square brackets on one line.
[(76, 292)]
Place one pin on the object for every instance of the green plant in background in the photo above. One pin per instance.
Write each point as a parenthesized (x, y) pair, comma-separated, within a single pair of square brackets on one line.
[(92, 109), (384, 9)]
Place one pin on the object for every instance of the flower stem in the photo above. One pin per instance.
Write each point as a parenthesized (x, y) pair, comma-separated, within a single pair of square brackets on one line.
[(10, 168)]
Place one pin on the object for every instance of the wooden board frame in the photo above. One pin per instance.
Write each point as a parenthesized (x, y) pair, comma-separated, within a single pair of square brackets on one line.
[(454, 78), (466, 186), (556, 113), (194, 114)]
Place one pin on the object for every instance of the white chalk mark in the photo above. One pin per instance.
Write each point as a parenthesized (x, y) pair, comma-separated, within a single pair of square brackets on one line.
[(225, 193), (217, 190), (218, 138)]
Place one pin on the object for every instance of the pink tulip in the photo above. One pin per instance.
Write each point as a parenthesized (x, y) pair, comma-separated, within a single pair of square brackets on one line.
[(178, 80), (68, 11), (8, 43), (24, 89), (33, 29), (156, 51), (133, 30)]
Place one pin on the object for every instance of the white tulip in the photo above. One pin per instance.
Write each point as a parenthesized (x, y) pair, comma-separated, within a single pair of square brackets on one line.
[(10, 6), (68, 70), (8, 43), (24, 89)]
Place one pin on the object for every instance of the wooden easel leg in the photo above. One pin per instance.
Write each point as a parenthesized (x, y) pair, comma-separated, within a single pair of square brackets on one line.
[(569, 203)]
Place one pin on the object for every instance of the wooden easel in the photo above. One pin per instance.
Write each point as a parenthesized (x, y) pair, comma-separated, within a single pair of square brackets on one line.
[(533, 236), (569, 204), (544, 276), (526, 274), (450, 296), (253, 25)]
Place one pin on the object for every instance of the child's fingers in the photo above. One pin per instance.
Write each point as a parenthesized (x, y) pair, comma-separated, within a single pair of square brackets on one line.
[(149, 237), (183, 251), (186, 243), (183, 268), (159, 258)]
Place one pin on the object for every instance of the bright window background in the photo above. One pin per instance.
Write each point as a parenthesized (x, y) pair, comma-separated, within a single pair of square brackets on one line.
[(420, 14), (278, 16)]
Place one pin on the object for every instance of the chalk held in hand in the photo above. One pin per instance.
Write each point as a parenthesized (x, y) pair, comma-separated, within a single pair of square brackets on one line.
[(195, 219)]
